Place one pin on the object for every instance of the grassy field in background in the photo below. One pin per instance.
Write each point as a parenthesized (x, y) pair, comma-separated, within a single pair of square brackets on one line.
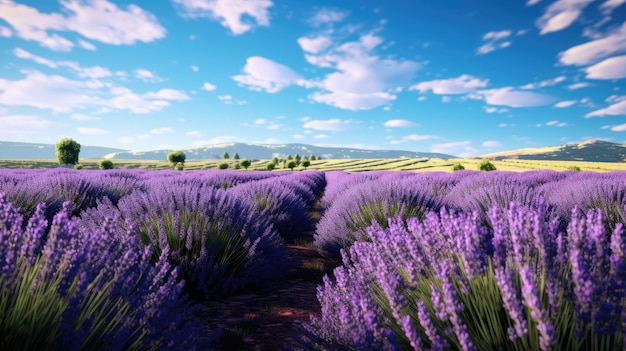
[(350, 165)]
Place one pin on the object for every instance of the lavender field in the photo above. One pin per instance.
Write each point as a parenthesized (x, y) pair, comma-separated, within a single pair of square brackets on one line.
[(118, 259)]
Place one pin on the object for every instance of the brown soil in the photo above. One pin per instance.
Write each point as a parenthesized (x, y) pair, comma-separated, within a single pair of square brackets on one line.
[(269, 320)]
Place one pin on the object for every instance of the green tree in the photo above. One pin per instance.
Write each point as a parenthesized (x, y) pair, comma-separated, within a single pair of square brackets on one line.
[(312, 158), (176, 157), (275, 160), (289, 157), (67, 151), (222, 165), (225, 155), (574, 168), (291, 165), (236, 156), (105, 164), (179, 166), (486, 166), (270, 165), (245, 163), (305, 163), (457, 167)]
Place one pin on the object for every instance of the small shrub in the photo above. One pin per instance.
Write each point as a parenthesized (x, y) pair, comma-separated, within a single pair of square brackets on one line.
[(78, 166), (486, 166), (176, 157), (222, 165), (245, 163), (105, 164), (270, 165), (291, 165), (457, 167), (574, 168), (179, 166)]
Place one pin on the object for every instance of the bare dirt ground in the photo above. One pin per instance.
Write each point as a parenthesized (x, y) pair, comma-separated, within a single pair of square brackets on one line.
[(268, 320)]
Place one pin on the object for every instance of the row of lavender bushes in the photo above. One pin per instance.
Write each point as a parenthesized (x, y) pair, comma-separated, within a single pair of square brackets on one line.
[(503, 261), (107, 259)]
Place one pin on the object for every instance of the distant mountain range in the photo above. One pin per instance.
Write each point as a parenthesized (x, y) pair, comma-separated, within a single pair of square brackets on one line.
[(589, 151), (28, 151)]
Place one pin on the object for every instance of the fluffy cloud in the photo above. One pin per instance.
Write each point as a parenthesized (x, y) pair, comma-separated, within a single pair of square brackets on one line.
[(94, 72), (86, 45), (595, 50), (162, 130), (611, 68), (314, 45), (229, 100), (261, 74), (578, 85), (362, 80), (54, 92), (146, 76), (208, 86), (494, 41), (545, 83), (92, 131), (98, 20), (332, 125), (461, 85), (507, 96), (490, 109), (561, 14), (23, 124), (609, 5), (327, 16), (400, 123), (566, 103), (230, 13), (5, 32), (167, 94), (81, 117), (616, 109), (619, 128)]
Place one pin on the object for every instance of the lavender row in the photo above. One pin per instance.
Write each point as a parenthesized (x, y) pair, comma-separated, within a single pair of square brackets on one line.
[(449, 281), (353, 201)]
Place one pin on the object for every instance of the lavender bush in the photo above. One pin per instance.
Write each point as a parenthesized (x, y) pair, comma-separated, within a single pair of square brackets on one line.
[(447, 282), (65, 290), (221, 242)]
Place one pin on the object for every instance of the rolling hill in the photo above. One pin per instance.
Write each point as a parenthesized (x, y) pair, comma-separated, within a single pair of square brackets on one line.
[(589, 151), (28, 151)]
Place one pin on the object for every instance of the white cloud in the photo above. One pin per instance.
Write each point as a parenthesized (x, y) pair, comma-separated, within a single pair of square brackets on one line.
[(609, 5), (94, 72), (492, 144), (445, 99), (494, 41), (98, 20), (362, 80), (272, 141), (400, 123), (414, 137), (610, 68), (194, 134), (327, 16), (545, 83), (23, 54), (333, 125), (236, 15), (619, 128), (532, 2), (506, 125), (86, 45), (595, 50), (167, 94), (195, 68), (208, 86), (314, 45), (566, 103), (556, 124), (23, 124), (616, 109), (461, 85), (298, 136), (260, 121), (162, 130), (5, 32), (81, 117), (135, 103), (146, 76), (458, 148), (261, 74), (92, 131), (578, 85), (490, 109), (229, 100), (54, 92), (320, 136), (561, 14), (507, 96)]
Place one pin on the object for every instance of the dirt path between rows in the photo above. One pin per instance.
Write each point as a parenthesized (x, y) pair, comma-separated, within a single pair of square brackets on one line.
[(268, 321)]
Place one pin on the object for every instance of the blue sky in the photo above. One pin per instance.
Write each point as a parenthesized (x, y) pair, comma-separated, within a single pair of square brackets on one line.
[(453, 76)]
